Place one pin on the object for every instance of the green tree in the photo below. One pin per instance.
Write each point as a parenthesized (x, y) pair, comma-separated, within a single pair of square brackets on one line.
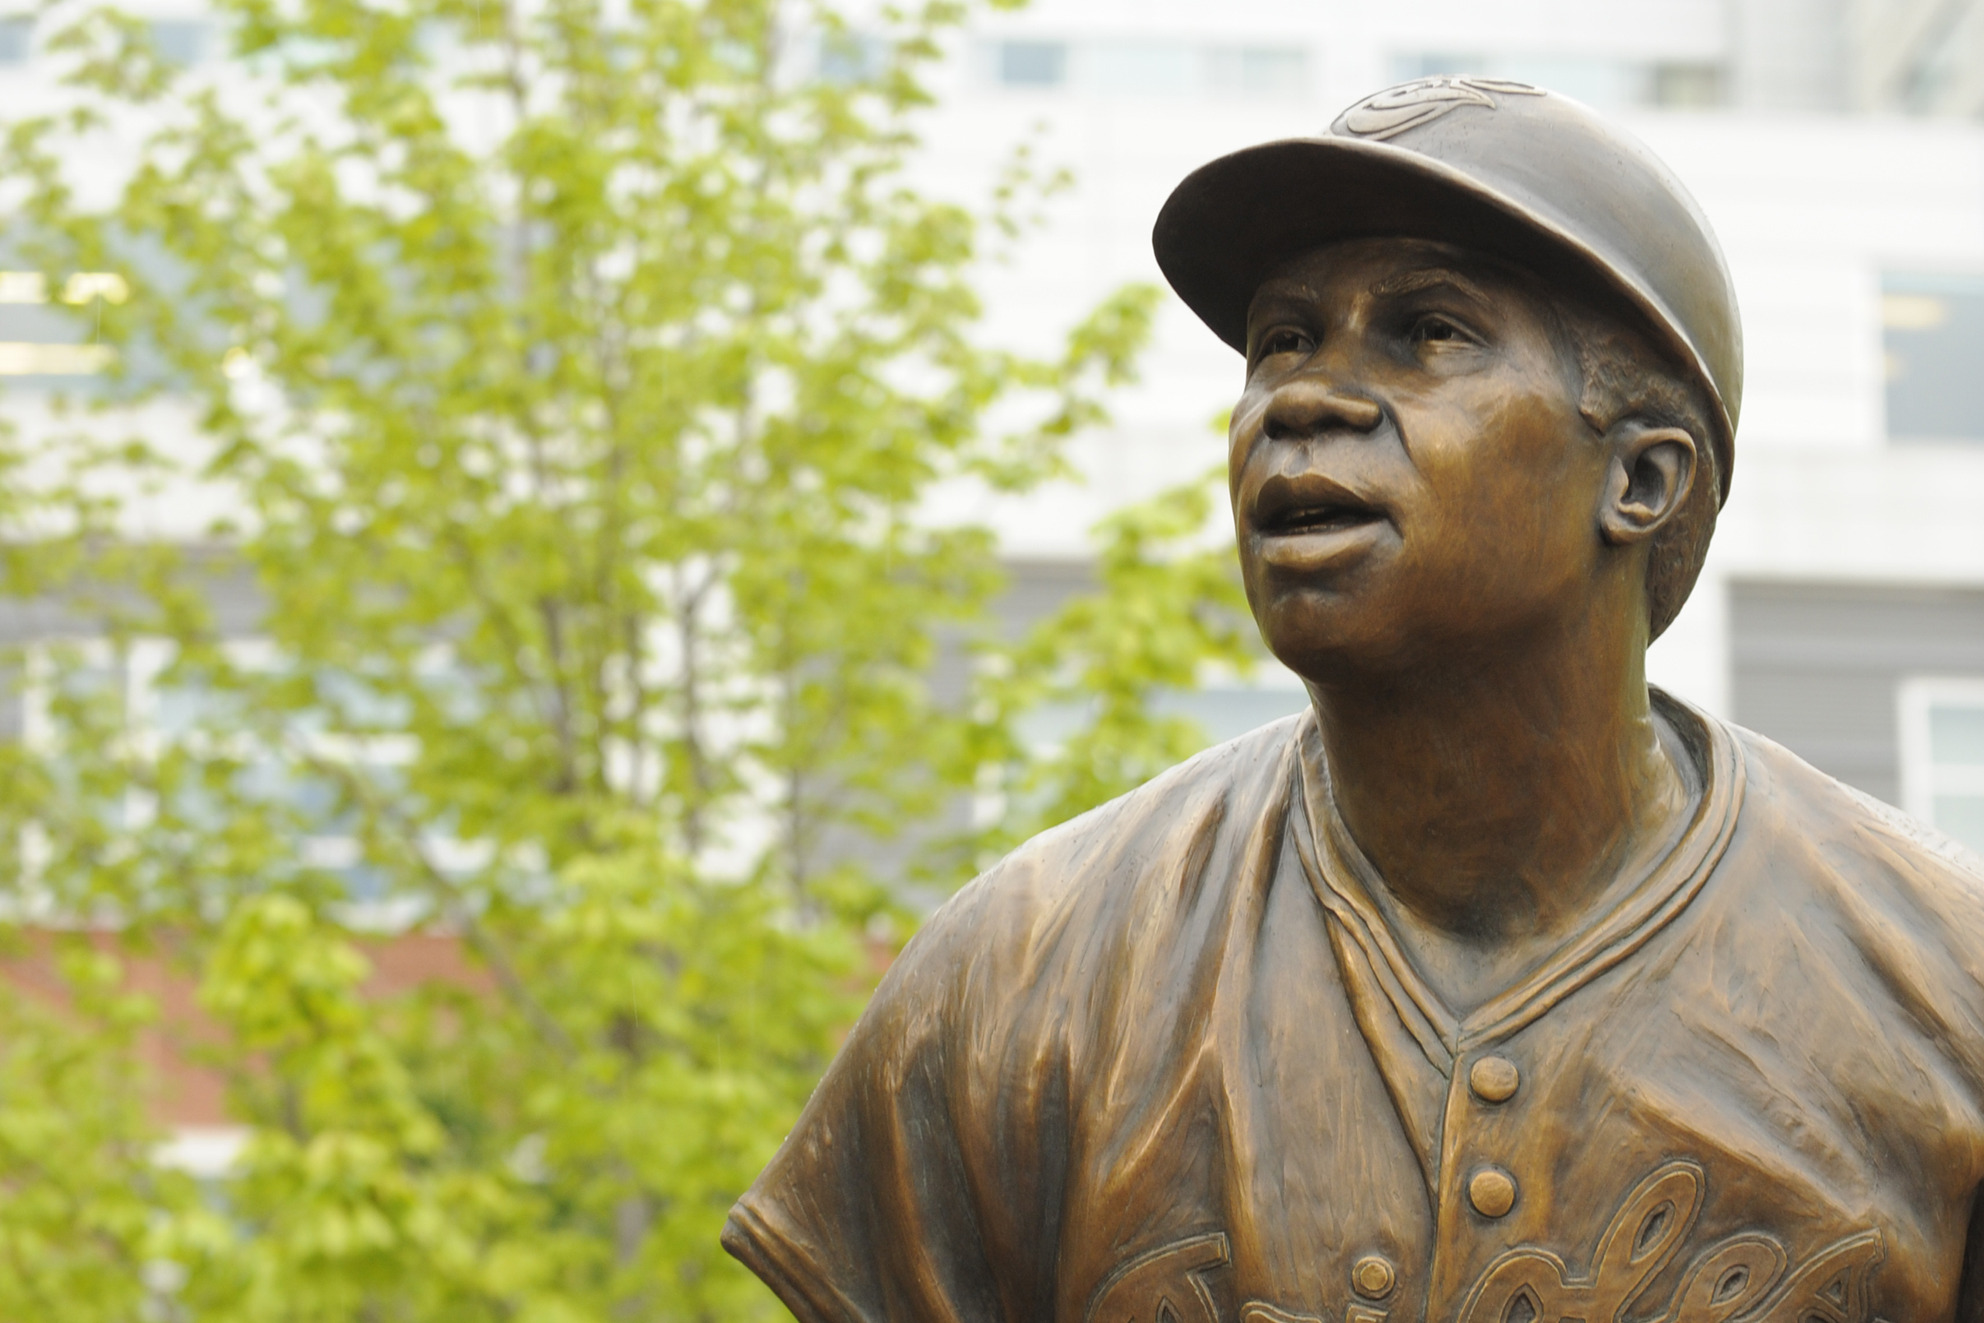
[(82, 1197), (571, 377), (1165, 609)]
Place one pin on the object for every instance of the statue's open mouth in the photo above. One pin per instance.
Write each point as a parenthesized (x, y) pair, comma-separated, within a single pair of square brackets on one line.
[(1321, 519), (1310, 503)]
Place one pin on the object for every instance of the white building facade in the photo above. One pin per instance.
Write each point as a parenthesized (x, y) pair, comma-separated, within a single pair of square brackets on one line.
[(1842, 609), (1835, 146)]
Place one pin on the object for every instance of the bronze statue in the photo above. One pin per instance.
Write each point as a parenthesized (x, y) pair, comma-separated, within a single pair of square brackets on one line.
[(1494, 988)]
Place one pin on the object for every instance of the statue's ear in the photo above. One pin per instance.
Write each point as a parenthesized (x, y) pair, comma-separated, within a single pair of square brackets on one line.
[(1648, 481)]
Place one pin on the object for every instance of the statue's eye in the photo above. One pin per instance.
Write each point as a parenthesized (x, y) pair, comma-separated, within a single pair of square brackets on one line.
[(1434, 329), (1285, 340)]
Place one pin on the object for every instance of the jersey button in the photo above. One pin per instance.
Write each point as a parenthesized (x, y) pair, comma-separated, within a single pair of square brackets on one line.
[(1374, 1277), (1494, 1079), (1492, 1191)]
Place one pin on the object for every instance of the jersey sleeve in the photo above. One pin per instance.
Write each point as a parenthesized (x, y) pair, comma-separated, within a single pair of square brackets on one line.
[(907, 1189)]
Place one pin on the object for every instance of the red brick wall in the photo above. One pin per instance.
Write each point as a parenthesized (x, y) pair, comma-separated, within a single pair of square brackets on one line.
[(189, 1094)]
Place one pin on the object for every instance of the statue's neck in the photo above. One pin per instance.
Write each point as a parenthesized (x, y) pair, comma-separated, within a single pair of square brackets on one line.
[(1502, 797)]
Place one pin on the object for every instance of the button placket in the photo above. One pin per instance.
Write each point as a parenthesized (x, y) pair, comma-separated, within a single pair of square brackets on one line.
[(1491, 1190)]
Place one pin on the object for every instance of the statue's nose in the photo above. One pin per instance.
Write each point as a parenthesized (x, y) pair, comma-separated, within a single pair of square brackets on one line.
[(1309, 405)]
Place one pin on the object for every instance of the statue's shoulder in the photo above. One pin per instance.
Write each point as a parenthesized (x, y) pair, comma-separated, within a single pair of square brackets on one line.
[(971, 1052), (1908, 897), (1785, 795)]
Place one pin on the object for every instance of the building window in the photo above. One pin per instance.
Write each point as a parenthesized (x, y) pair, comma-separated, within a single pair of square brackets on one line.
[(1685, 85), (851, 57), (16, 38), (1032, 63), (181, 41), (1140, 68), (1930, 327), (1150, 68), (1600, 81), (1224, 709), (1439, 64), (32, 358), (1228, 711), (38, 341), (1942, 755), (129, 696), (1257, 71)]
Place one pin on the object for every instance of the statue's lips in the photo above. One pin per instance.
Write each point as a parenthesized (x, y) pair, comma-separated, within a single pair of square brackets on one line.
[(1308, 522), (1322, 545), (1321, 519)]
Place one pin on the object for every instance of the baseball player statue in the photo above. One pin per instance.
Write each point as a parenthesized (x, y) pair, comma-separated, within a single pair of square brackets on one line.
[(1495, 987)]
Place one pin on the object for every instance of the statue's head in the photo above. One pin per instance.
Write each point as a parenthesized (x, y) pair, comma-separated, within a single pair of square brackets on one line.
[(1493, 370)]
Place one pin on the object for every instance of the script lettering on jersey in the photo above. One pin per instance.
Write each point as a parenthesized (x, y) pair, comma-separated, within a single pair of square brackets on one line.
[(1164, 1286), (1168, 1285), (1259, 1311), (1747, 1276)]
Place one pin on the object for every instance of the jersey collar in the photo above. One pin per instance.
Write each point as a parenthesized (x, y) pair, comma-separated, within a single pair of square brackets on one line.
[(1343, 879)]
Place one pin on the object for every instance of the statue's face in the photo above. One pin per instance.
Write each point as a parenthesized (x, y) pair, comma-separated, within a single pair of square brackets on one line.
[(1410, 474)]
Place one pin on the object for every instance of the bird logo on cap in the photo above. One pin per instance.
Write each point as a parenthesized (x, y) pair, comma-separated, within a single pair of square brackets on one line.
[(1409, 105)]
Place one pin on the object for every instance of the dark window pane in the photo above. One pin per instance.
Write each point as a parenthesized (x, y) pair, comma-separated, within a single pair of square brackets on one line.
[(1956, 735), (1686, 86), (1931, 327), (180, 41), (1033, 63), (16, 38), (1223, 714), (850, 57), (1438, 64)]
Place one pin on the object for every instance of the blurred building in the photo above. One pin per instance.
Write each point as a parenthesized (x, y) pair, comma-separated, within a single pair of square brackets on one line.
[(1915, 55), (1836, 146)]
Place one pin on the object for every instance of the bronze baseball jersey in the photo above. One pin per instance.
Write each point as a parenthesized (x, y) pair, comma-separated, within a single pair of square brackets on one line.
[(1168, 1064)]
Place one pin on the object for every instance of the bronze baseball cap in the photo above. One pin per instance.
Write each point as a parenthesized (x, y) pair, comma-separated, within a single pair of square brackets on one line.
[(1494, 166)]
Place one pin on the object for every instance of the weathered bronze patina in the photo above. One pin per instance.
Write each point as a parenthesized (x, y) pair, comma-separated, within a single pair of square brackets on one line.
[(1496, 987)]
